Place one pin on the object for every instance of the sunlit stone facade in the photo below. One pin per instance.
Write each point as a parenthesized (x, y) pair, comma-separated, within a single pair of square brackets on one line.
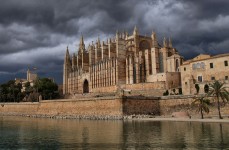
[(122, 60), (202, 70)]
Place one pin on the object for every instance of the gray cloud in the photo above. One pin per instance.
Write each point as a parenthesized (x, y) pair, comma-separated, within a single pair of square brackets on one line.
[(36, 33)]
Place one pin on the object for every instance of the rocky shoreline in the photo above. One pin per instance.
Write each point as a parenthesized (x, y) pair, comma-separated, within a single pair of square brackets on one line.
[(89, 117), (126, 117)]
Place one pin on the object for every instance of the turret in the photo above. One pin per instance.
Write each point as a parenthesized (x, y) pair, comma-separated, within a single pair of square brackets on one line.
[(98, 43), (74, 61), (67, 68), (81, 45), (154, 40), (117, 35), (126, 35), (67, 60), (170, 43), (135, 31), (165, 44)]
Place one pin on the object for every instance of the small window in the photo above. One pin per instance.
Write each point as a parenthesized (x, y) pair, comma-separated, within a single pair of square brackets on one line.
[(211, 65), (186, 83), (199, 78), (184, 68), (225, 63), (226, 77), (212, 78)]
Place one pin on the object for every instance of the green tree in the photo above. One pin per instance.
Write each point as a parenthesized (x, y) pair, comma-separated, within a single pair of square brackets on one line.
[(203, 105), (9, 91), (47, 88), (219, 91)]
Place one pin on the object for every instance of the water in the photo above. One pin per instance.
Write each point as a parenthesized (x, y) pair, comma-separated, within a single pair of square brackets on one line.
[(34, 133)]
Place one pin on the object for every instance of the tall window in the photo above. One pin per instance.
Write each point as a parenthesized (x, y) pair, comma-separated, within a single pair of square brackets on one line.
[(177, 65), (199, 78), (225, 63), (161, 64), (211, 65), (134, 73), (226, 77)]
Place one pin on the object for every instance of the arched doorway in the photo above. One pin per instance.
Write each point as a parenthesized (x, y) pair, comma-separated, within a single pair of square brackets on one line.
[(85, 86)]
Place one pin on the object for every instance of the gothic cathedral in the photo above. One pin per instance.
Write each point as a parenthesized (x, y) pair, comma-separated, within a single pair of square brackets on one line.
[(125, 61)]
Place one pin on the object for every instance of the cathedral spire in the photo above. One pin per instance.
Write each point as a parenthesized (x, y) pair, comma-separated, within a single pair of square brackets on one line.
[(170, 43), (98, 43), (73, 61), (67, 53), (126, 35), (117, 34), (135, 31), (81, 44), (154, 39), (67, 57), (165, 43)]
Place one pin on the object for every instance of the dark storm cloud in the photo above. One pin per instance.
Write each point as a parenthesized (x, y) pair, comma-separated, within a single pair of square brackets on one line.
[(36, 33)]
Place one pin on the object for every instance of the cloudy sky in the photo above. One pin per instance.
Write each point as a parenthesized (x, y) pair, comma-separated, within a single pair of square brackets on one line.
[(37, 32)]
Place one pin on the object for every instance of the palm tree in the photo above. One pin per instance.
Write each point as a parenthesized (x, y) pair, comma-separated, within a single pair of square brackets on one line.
[(219, 91), (203, 104)]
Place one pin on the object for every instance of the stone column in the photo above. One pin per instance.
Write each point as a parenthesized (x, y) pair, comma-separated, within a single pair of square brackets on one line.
[(111, 72), (103, 75), (96, 76), (100, 75), (106, 74), (130, 70), (116, 71), (147, 62), (91, 74), (154, 58), (109, 49), (137, 69), (127, 72)]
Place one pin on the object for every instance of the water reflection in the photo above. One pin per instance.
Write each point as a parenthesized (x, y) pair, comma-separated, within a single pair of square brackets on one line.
[(29, 133)]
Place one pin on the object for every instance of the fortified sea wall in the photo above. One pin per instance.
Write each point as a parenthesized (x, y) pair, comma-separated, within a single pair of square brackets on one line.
[(107, 107)]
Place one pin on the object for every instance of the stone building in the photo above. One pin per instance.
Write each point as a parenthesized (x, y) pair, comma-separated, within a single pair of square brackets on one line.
[(122, 62), (31, 77), (203, 70)]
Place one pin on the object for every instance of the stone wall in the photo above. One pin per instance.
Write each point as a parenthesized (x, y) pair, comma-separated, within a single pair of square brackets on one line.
[(87, 108), (104, 89), (109, 107), (166, 105), (91, 107), (144, 86), (141, 105), (19, 108)]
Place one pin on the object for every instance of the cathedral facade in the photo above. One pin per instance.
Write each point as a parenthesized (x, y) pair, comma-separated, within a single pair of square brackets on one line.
[(121, 61)]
